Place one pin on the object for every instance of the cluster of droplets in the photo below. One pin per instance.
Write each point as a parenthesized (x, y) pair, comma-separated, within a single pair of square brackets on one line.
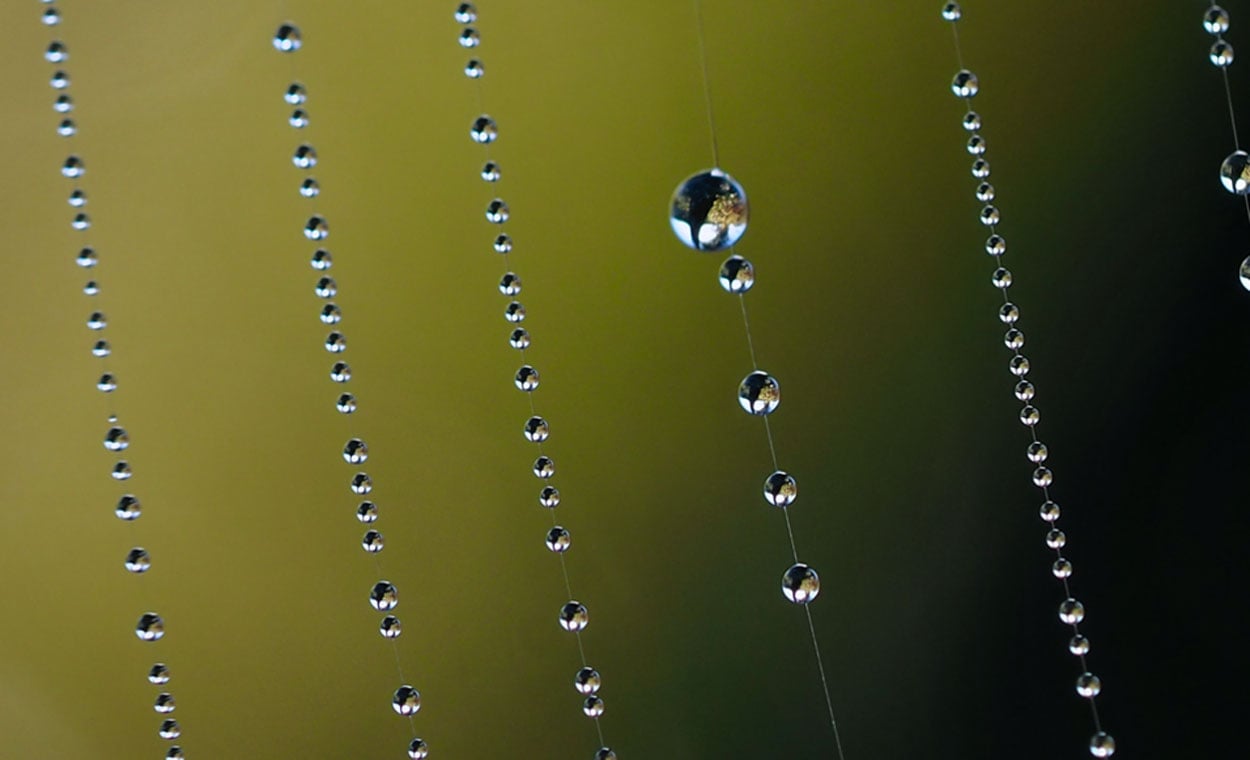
[(573, 615), (1235, 169), (1071, 612), (150, 626), (383, 596)]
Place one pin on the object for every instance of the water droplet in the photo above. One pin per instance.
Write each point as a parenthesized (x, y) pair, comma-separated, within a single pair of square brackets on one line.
[(418, 749), (972, 121), (97, 321), (316, 228), (466, 13), (67, 128), (537, 429), (106, 383), (1001, 278), (1049, 511), (980, 168), (137, 560), (87, 258), (780, 489), (346, 403), (355, 451), (1008, 313), (990, 216), (605, 753), (169, 730), (526, 377), (1013, 339), (341, 372), (800, 584), (164, 703), (503, 244), (520, 339), (559, 539), (544, 467), (977, 145), (116, 439), (361, 483), (298, 118), (295, 94), (321, 260), (1078, 645), (407, 700), (150, 628), (995, 245), (373, 541), (1101, 745), (515, 312), (1071, 611), (304, 157), (1234, 173), (484, 130), (1215, 20), (491, 172), (121, 471), (1037, 452), (965, 84), (497, 212), (331, 314), (1055, 538), (175, 753), (159, 674), (549, 497), (56, 52), (1221, 54), (75, 168), (593, 706), (390, 627), (985, 192), (384, 596), (709, 211), (326, 287), (101, 348), (574, 616), (474, 69), (287, 39), (309, 188), (128, 508), (510, 284), (759, 393), (367, 512), (78, 198), (1024, 390), (80, 222), (1061, 568), (59, 80), (1043, 477), (587, 681), (951, 12), (63, 104), (469, 38), (336, 342), (737, 275), (1029, 416), (1244, 273), (1019, 366), (51, 17)]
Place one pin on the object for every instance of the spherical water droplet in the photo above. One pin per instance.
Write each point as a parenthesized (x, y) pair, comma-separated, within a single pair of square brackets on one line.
[(737, 275), (67, 128), (287, 39), (995, 245), (1061, 568), (1043, 477), (56, 52), (977, 145), (1078, 645), (985, 192), (97, 321), (128, 508), (80, 222), (164, 703), (75, 168), (800, 584), (527, 377), (1019, 366), (559, 539), (373, 541), (137, 560), (310, 188), (989, 216), (1001, 278), (116, 439), (1008, 313), (418, 749), (980, 168), (951, 12), (1024, 390), (1055, 539), (497, 212), (469, 38), (304, 157), (355, 451), (1029, 416), (592, 706), (587, 681), (59, 80), (121, 471), (390, 627), (150, 628), (407, 700), (87, 258), (1222, 54), (1215, 20), (544, 467), (1071, 611), (346, 403), (106, 383), (326, 287), (1013, 339), (101, 348), (1049, 511), (1101, 745), (965, 84), (321, 260), (336, 342), (491, 172), (1244, 273), (51, 17), (759, 393), (316, 228), (537, 429), (169, 730), (63, 104), (331, 314), (484, 130), (574, 616), (341, 372), (549, 497), (510, 284), (384, 596), (972, 121), (1037, 452), (605, 753), (159, 674), (295, 94), (78, 198), (709, 211), (466, 13), (298, 118), (780, 489), (1234, 173), (474, 69), (175, 753), (503, 244), (367, 512), (515, 312), (519, 339)]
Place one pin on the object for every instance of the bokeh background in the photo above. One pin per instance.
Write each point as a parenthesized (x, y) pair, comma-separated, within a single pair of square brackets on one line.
[(873, 307)]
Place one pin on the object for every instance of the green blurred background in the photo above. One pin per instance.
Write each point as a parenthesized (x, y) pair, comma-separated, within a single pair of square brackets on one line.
[(873, 307)]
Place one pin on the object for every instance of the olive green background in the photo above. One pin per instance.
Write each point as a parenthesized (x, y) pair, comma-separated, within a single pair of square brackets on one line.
[(873, 307)]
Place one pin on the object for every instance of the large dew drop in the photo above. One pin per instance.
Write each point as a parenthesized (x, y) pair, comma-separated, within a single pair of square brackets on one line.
[(709, 211), (407, 700), (384, 596), (574, 616), (1235, 173), (150, 627), (800, 584), (759, 393)]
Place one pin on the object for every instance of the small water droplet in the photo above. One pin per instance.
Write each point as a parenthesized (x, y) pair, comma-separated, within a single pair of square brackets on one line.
[(559, 539), (91, 288), (78, 198), (995, 245), (326, 287), (474, 69), (367, 512), (519, 339), (295, 94), (549, 497), (709, 211), (1043, 477), (121, 471), (497, 211), (1001, 278), (80, 222), (316, 228), (1037, 452), (985, 192), (989, 216), (116, 439), (1008, 313), (484, 130), (515, 312), (390, 627), (346, 403), (336, 342), (737, 275), (175, 753), (759, 393), (101, 348), (980, 168), (466, 13), (537, 429), (287, 39), (503, 244), (1221, 54), (150, 628), (164, 703), (510, 284), (593, 706), (137, 560), (587, 681), (605, 753), (304, 157), (355, 451), (59, 80), (544, 467), (1024, 390), (1019, 366), (965, 84), (1078, 645), (1101, 745), (469, 38), (780, 489), (74, 167), (1013, 339), (951, 12), (1215, 20), (169, 730), (340, 372), (298, 118), (1055, 539), (800, 584), (1235, 173), (977, 145), (87, 258), (97, 321), (527, 377), (491, 171), (128, 508), (1088, 685), (51, 17), (159, 674), (384, 596), (1029, 416), (361, 483), (1049, 511), (106, 383), (1071, 611), (56, 52), (418, 749), (331, 314), (1244, 273), (373, 541), (67, 128), (574, 616), (309, 188), (1061, 568), (321, 260), (407, 700), (63, 103), (972, 121)]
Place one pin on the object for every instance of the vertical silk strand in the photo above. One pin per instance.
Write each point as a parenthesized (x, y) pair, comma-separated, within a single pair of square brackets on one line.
[(965, 86), (573, 616), (384, 595), (1235, 170)]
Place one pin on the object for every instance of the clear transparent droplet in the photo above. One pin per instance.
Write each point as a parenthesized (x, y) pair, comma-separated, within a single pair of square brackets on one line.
[(537, 429), (159, 674), (298, 118), (709, 211), (390, 627), (605, 753), (574, 616), (592, 706), (1071, 611), (519, 339), (287, 39), (165, 703), (466, 13), (91, 288), (77, 198), (373, 542), (1244, 273), (1101, 745), (121, 471), (995, 245), (150, 627), (1043, 477), (587, 681), (51, 17), (1221, 54), (510, 284), (116, 439), (559, 540), (469, 38), (295, 94), (418, 749), (106, 383), (544, 467), (514, 312), (491, 172), (321, 260), (1013, 339), (737, 275), (1215, 20), (1235, 173), (345, 403), (367, 512), (67, 128), (977, 145), (780, 489), (484, 130), (474, 69), (527, 378), (87, 258), (1008, 313), (965, 84), (355, 451), (340, 372), (1049, 511), (985, 192), (503, 244), (1061, 568), (169, 729), (407, 700), (138, 560), (1037, 452), (384, 596), (1078, 645), (309, 188), (331, 314), (990, 216), (336, 342), (1018, 365), (1030, 416), (326, 287), (63, 103), (101, 348), (175, 753), (800, 584), (56, 52), (97, 321), (316, 228), (1024, 390), (80, 222), (74, 167), (497, 212), (1055, 539), (972, 121), (980, 168), (549, 497), (59, 80), (304, 157), (951, 12), (759, 393), (128, 508)]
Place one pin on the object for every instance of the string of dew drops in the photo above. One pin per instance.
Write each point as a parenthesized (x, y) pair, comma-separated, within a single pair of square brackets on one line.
[(1235, 169), (709, 212), (383, 596), (150, 626), (573, 615), (965, 86)]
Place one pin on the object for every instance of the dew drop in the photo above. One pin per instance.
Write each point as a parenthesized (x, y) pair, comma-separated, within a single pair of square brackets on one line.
[(559, 539), (1008, 313), (80, 222), (316, 228), (361, 483), (1055, 539), (605, 753), (990, 216), (1037, 452), (304, 157), (390, 627), (977, 145), (709, 211), (159, 674), (373, 542), (526, 377), (287, 39), (367, 512), (309, 188), (331, 314), (995, 245), (759, 393), (474, 69), (1215, 20), (587, 681), (63, 104), (549, 497), (503, 244), (497, 212), (965, 84), (137, 560), (1234, 173), (298, 118), (1024, 390), (491, 172), (106, 383), (87, 258), (326, 287), (1078, 645), (951, 12), (544, 467), (537, 429), (116, 439), (384, 596), (67, 128), (737, 275), (1019, 366), (150, 628), (97, 321), (1029, 416), (1101, 745), (972, 121), (295, 94), (407, 700), (321, 260), (341, 372), (484, 130), (593, 706), (175, 753), (1049, 511), (800, 584), (574, 616), (1043, 477), (128, 508), (355, 451), (1013, 339), (101, 348), (1001, 278), (73, 167), (985, 192), (780, 489), (418, 749), (515, 312), (121, 471), (169, 730), (520, 339), (1071, 611), (1244, 273), (51, 17), (1221, 54), (164, 703), (469, 38), (1061, 568), (56, 52), (59, 80), (345, 403), (466, 13), (336, 342), (980, 168), (510, 284)]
